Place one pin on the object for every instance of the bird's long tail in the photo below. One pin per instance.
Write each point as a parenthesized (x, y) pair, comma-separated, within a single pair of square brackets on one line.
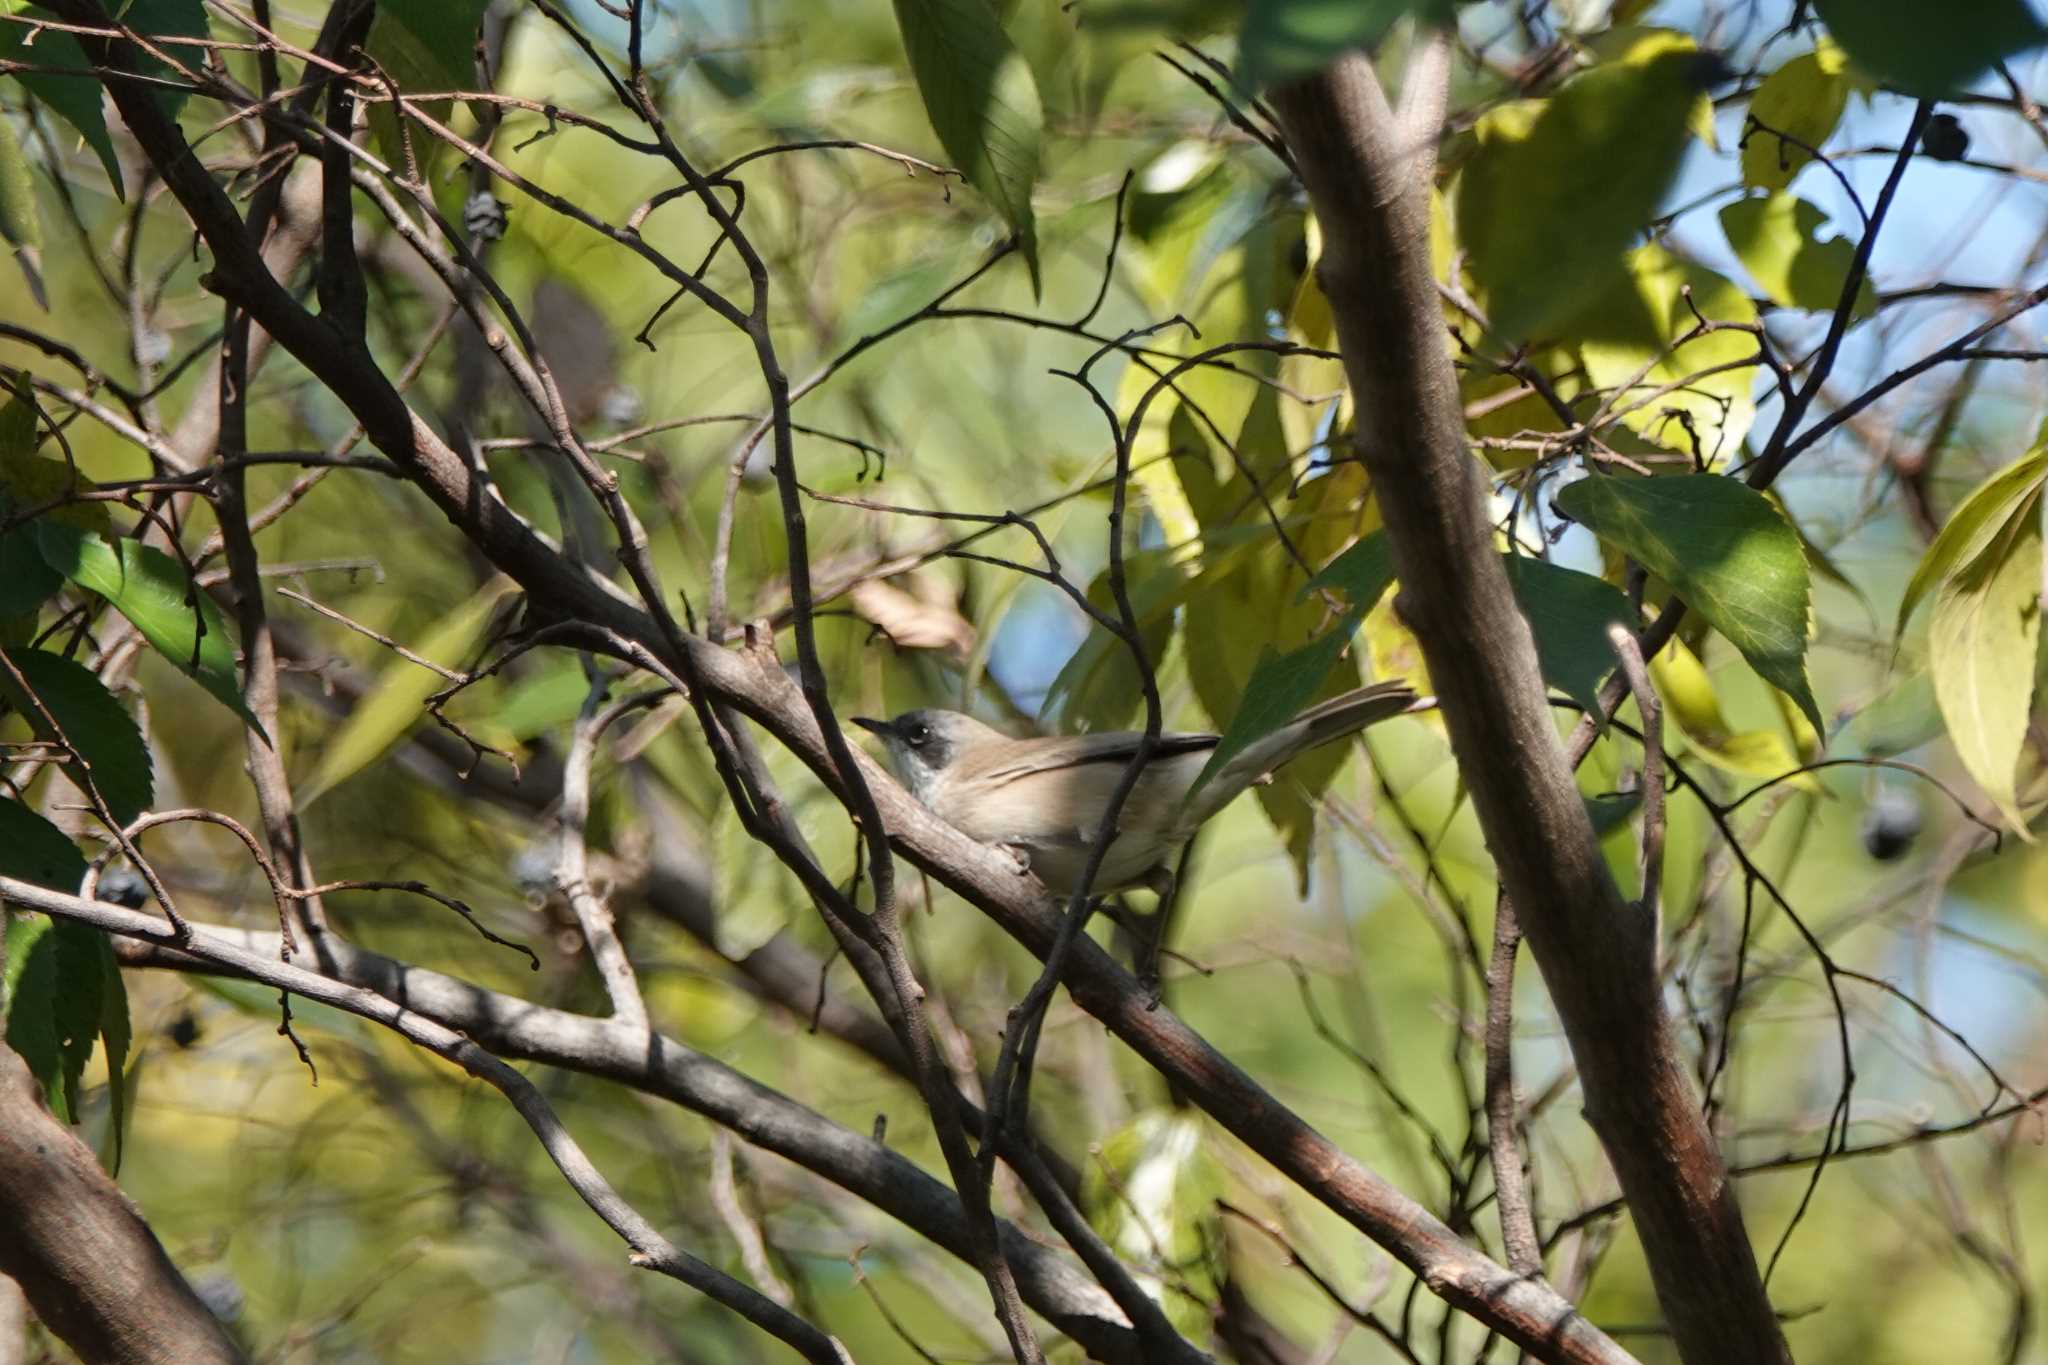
[(1320, 724), (1340, 716)]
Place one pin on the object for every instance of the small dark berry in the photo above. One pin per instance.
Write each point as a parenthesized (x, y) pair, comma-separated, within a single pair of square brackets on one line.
[(1945, 138), (124, 886), (1891, 824), (184, 1030)]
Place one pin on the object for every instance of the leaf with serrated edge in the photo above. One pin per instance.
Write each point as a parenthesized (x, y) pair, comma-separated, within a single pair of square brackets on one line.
[(1981, 642), (1728, 554), (150, 588), (90, 718)]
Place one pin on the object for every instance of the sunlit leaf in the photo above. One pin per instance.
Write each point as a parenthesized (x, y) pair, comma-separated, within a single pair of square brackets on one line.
[(1556, 192), (1793, 114), (1777, 239), (150, 588), (1689, 388), (1725, 550), (1151, 1193), (397, 701), (1930, 50), (1977, 523), (89, 717), (1569, 613), (1981, 643), (983, 103), (1694, 707)]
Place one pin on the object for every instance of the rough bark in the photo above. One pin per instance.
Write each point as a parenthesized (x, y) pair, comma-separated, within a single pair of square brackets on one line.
[(1367, 173), (88, 1264)]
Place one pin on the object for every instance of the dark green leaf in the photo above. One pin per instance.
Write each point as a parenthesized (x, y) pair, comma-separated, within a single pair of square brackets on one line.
[(425, 46), (1569, 613), (1281, 686), (116, 1035), (983, 103), (34, 850), (55, 989), (26, 582), (1930, 50), (1609, 811), (89, 717), (21, 226), (1725, 550), (1283, 40), (1557, 191), (150, 588), (75, 99), (1363, 573)]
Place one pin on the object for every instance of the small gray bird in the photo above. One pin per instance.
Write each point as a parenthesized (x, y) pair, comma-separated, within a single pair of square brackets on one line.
[(1044, 798)]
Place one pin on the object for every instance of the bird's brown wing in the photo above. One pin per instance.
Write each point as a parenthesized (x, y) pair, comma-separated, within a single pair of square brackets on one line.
[(1116, 746)]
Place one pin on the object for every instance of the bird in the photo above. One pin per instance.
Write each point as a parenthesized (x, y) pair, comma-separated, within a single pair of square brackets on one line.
[(1043, 798)]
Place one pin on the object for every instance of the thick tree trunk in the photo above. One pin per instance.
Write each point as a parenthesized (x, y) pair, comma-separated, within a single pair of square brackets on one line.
[(1368, 174), (91, 1269)]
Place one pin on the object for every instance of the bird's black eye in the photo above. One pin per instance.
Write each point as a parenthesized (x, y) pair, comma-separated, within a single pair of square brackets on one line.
[(917, 734)]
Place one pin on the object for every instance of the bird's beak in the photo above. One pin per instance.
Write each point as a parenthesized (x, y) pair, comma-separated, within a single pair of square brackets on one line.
[(871, 725)]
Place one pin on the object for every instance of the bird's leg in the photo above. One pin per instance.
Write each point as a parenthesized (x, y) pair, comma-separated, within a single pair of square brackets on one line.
[(1164, 883), (1019, 855)]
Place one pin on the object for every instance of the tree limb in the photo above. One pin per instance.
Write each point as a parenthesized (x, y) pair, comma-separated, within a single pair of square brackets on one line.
[(1368, 179)]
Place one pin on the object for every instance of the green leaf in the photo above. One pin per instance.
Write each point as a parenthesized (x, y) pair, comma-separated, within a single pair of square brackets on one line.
[(1777, 239), (1691, 703), (20, 222), (150, 588), (1569, 613), (56, 984), (34, 850), (75, 99), (1796, 108), (395, 704), (1284, 40), (1976, 523), (1930, 50), (1725, 550), (116, 1036), (1695, 397), (1363, 573), (1981, 642), (1557, 190), (1281, 686), (1151, 1194), (26, 582), (424, 46), (95, 723), (983, 103)]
